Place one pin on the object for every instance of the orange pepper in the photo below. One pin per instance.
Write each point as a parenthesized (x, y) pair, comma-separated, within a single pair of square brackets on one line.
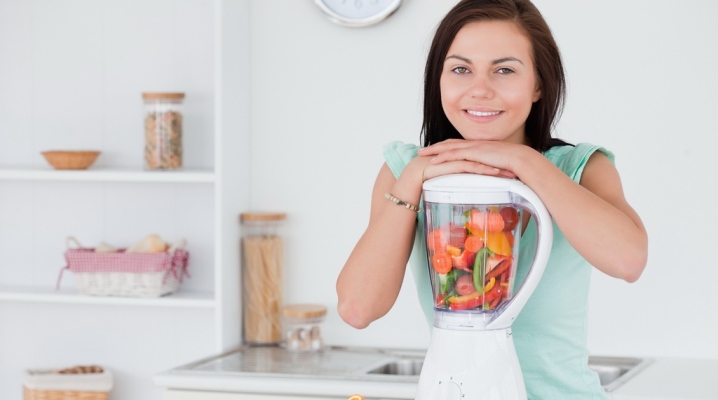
[(498, 243), (453, 250)]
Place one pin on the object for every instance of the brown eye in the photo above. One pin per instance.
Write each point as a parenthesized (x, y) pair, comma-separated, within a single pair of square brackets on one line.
[(505, 71), (460, 70)]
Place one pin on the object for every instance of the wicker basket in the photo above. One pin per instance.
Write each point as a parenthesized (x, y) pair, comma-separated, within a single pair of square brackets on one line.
[(33, 394), (51, 385), (127, 274), (71, 159)]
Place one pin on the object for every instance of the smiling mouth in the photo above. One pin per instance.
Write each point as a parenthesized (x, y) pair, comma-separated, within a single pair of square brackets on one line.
[(483, 113)]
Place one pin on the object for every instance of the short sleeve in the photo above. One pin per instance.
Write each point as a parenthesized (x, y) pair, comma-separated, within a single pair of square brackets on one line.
[(572, 159), (398, 154)]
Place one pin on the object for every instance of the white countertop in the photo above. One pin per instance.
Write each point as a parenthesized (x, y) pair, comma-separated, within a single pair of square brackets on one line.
[(336, 372), (281, 373), (311, 387), (673, 379)]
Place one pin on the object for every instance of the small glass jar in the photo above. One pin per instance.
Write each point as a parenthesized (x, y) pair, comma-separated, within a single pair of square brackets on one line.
[(163, 130), (301, 326), (262, 274)]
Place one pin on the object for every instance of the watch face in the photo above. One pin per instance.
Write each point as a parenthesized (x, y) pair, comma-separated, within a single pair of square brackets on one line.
[(358, 12)]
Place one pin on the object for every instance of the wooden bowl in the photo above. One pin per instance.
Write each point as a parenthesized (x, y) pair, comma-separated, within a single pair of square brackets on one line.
[(61, 159)]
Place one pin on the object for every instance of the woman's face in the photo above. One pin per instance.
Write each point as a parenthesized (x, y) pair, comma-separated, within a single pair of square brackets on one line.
[(488, 82)]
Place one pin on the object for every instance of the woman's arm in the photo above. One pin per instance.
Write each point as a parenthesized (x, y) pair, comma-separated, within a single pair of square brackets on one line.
[(370, 281), (593, 215)]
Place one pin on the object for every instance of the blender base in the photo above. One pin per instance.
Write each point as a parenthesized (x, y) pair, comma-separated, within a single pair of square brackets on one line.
[(471, 364)]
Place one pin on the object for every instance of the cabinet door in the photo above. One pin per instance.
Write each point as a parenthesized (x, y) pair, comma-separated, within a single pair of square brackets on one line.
[(199, 395)]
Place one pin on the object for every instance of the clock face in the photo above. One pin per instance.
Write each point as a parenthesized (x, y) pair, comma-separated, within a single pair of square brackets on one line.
[(358, 12)]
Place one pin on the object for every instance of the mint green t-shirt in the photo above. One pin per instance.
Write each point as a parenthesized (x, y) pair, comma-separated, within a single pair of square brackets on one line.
[(550, 332)]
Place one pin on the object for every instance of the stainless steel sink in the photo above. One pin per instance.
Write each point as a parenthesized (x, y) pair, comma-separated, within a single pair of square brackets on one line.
[(400, 367), (615, 371), (612, 371)]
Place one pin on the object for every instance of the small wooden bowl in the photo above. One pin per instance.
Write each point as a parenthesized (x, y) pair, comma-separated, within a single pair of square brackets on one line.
[(71, 159)]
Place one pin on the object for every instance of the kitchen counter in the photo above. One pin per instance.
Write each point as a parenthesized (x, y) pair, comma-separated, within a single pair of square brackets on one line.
[(339, 372), (336, 372), (673, 379)]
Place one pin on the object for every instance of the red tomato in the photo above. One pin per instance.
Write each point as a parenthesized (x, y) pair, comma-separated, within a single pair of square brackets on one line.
[(457, 235), (464, 261), (511, 218), (465, 285)]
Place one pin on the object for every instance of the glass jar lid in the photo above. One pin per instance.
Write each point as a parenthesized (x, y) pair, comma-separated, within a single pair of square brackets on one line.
[(261, 217), (303, 311), (163, 95)]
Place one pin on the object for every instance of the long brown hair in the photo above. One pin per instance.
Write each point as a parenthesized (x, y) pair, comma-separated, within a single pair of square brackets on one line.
[(547, 62)]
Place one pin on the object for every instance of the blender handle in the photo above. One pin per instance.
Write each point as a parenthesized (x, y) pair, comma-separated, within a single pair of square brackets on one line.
[(544, 228)]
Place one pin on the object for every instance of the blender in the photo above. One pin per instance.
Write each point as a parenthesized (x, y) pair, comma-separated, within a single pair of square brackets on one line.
[(472, 227)]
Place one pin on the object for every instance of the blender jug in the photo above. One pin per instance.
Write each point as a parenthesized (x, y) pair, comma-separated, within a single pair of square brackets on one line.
[(472, 227)]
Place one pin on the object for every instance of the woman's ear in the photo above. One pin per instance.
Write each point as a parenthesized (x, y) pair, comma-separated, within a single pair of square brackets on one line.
[(537, 94)]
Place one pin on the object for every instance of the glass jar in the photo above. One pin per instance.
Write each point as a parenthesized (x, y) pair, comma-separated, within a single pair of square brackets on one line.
[(301, 326), (262, 272), (163, 130)]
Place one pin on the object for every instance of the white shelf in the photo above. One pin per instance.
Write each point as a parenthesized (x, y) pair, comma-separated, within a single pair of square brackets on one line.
[(108, 175), (47, 295)]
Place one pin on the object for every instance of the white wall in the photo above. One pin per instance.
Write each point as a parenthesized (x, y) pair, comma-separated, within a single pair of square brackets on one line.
[(641, 82)]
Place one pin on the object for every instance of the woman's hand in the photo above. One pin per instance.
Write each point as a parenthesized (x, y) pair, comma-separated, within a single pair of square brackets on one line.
[(494, 158)]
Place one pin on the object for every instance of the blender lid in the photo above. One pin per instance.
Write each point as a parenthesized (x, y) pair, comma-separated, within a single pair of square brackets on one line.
[(470, 189)]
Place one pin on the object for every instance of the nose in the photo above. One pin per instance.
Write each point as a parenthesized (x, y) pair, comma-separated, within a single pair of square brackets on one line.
[(481, 87)]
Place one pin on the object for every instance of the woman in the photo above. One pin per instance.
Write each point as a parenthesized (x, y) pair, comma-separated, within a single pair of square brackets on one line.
[(494, 84)]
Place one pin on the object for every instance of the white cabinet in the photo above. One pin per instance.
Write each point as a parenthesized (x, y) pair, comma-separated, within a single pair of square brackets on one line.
[(71, 77)]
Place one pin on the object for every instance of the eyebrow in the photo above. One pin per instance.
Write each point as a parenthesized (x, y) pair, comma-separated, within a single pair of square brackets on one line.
[(498, 61)]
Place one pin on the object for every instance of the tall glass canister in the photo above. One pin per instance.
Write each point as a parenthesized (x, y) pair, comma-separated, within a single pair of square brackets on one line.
[(262, 274), (163, 130)]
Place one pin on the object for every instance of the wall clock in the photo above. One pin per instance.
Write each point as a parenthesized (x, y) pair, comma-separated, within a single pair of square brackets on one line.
[(358, 13)]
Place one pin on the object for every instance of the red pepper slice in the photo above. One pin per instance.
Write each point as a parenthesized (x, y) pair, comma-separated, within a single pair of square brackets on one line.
[(499, 269), (475, 299), (440, 300), (468, 304)]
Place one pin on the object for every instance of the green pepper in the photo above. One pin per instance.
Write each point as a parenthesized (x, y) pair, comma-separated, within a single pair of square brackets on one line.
[(480, 268), (448, 280)]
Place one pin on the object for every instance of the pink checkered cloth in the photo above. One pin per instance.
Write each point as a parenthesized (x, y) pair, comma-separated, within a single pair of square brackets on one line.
[(84, 260)]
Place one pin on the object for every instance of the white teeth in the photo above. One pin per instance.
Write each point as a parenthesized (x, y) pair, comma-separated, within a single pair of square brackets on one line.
[(483, 114)]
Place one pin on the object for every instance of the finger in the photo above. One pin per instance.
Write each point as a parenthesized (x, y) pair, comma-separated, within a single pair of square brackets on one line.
[(455, 154), (458, 167), (443, 146)]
